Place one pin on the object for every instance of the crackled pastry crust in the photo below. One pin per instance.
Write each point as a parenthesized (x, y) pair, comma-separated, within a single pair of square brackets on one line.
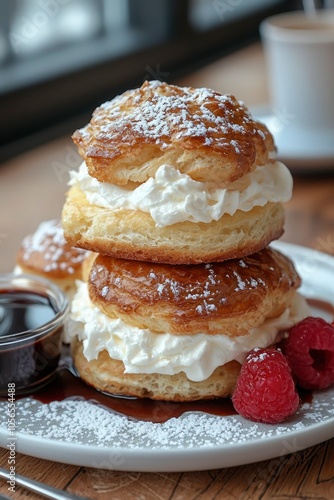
[(46, 253), (229, 297), (106, 374), (207, 135), (131, 234)]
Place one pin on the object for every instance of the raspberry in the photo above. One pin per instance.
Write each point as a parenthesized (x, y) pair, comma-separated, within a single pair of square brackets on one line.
[(309, 350), (265, 390)]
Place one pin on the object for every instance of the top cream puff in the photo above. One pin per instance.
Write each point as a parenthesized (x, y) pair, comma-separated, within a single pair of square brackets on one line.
[(175, 175), (207, 135)]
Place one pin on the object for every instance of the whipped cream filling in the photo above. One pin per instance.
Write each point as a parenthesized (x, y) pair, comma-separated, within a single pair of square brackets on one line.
[(17, 270), (143, 351), (172, 197)]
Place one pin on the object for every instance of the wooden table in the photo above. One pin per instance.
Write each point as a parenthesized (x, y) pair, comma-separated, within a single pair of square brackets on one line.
[(32, 188)]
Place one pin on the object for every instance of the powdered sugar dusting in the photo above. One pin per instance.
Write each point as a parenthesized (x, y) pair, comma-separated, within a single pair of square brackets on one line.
[(48, 242), (168, 287), (258, 358), (246, 283), (193, 292), (82, 422), (163, 114)]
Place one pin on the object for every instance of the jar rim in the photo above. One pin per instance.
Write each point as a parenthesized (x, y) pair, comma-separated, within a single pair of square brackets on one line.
[(38, 285)]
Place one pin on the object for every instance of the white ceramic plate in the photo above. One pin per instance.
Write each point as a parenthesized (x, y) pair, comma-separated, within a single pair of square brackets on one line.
[(301, 150), (82, 433)]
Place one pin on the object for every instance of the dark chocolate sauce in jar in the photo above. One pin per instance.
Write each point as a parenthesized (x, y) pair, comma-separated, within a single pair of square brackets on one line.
[(29, 349), (23, 310)]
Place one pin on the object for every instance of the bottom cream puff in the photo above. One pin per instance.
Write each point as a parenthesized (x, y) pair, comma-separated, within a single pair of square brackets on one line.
[(114, 355), (108, 375)]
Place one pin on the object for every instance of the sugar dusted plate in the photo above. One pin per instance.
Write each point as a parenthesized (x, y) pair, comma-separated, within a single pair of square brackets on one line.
[(82, 433)]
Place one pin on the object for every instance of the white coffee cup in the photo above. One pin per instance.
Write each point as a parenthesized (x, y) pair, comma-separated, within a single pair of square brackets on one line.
[(300, 59)]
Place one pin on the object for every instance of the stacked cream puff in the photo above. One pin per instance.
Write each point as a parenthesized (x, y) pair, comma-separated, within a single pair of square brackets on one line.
[(179, 195)]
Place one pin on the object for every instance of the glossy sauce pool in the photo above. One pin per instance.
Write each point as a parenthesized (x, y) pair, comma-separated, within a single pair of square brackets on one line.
[(67, 385)]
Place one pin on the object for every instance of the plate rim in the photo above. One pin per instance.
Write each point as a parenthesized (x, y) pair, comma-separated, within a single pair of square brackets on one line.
[(171, 460)]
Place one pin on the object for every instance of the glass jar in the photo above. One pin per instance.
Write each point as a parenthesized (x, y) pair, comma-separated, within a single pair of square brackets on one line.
[(32, 317)]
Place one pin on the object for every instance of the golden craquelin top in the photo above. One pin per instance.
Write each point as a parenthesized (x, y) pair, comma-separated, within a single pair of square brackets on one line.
[(207, 135), (231, 297)]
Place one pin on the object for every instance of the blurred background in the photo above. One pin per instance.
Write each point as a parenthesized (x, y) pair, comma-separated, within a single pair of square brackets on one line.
[(59, 59)]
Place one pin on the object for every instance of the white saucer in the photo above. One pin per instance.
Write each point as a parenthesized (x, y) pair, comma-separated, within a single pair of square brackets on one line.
[(299, 149)]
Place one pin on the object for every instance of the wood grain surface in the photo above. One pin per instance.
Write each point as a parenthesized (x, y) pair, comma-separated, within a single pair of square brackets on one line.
[(32, 188), (306, 474)]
